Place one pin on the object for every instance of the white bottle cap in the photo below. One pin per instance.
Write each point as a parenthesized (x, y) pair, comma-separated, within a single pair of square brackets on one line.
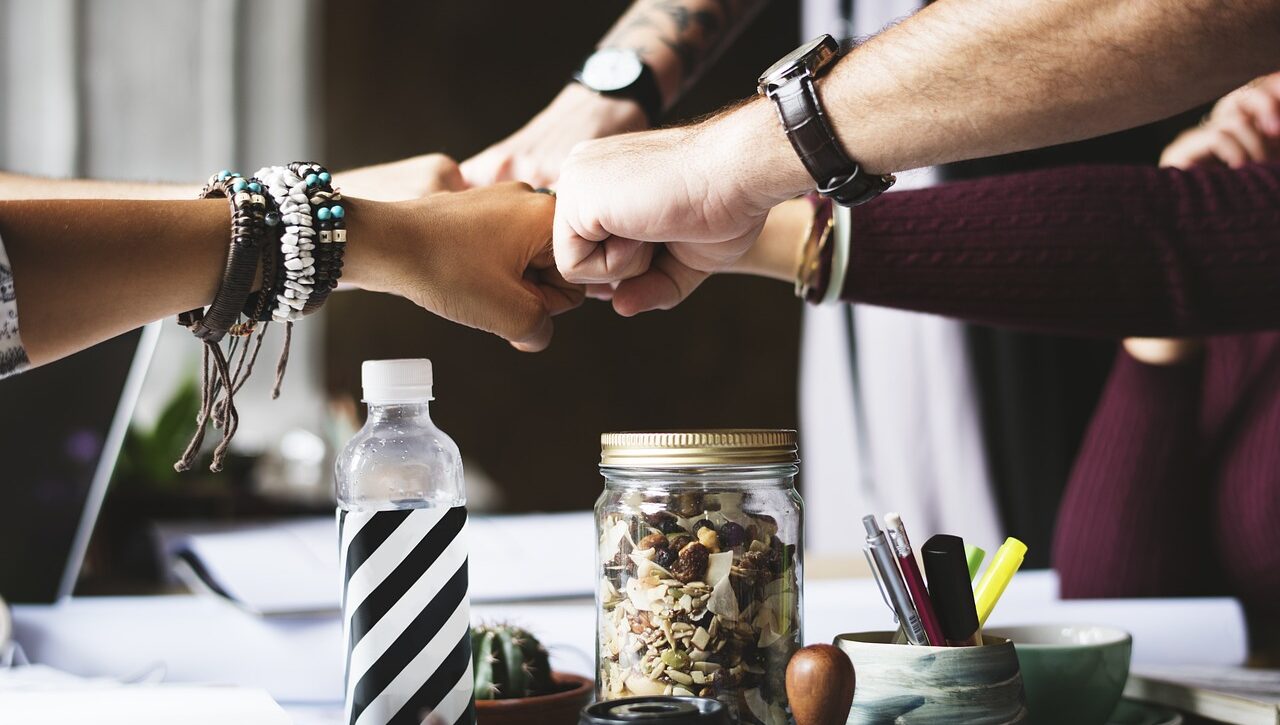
[(396, 381)]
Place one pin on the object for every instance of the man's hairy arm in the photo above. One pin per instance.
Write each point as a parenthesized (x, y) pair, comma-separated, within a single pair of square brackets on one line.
[(680, 38), (981, 77), (960, 79)]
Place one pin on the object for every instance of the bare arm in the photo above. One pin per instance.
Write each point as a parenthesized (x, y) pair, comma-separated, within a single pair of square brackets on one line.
[(87, 270), (960, 79), (22, 186), (400, 180), (678, 39)]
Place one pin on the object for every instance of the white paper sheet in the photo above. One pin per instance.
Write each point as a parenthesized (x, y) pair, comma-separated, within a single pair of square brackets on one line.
[(292, 567), (38, 695)]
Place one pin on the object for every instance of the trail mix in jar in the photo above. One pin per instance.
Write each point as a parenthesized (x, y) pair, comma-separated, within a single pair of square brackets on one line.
[(698, 600)]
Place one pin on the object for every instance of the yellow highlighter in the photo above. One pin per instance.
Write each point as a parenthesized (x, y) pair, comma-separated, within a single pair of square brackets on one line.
[(994, 580)]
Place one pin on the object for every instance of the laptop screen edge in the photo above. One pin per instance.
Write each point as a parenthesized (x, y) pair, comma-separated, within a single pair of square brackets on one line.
[(110, 453)]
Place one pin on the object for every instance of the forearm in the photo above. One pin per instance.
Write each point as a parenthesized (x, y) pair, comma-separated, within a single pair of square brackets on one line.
[(87, 270), (981, 77), (22, 186), (679, 39), (776, 253)]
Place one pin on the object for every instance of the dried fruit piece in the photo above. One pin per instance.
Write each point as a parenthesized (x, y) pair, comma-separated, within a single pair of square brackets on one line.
[(679, 541), (664, 557), (688, 504), (732, 534), (653, 541), (691, 564), (663, 521), (702, 524)]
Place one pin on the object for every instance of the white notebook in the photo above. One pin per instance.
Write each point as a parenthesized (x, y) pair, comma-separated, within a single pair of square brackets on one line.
[(1229, 694)]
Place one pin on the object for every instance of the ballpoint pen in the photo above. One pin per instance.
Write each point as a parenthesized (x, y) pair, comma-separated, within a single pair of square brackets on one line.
[(886, 567), (950, 590), (974, 556), (915, 582), (994, 580)]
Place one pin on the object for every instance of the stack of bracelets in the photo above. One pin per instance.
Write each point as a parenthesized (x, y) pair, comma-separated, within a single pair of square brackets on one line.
[(288, 222)]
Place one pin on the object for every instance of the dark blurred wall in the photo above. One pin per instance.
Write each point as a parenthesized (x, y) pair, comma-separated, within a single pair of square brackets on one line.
[(406, 77)]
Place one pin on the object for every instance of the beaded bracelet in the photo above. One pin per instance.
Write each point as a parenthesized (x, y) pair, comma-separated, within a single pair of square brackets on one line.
[(331, 232), (296, 243)]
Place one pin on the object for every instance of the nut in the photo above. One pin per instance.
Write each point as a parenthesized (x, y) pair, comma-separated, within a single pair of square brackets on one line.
[(679, 541), (709, 538)]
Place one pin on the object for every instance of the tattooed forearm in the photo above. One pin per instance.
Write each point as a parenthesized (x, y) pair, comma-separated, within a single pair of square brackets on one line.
[(679, 38)]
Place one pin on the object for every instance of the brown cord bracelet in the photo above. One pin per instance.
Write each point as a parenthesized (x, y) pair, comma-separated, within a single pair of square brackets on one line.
[(248, 239)]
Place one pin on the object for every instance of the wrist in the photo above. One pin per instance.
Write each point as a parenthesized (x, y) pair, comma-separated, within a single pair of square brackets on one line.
[(750, 151), (612, 115), (372, 227), (781, 242)]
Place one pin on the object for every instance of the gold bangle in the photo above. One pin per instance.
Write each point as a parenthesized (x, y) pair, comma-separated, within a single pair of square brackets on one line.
[(816, 238)]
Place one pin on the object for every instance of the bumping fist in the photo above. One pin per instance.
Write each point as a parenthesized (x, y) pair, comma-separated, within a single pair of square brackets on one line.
[(644, 218)]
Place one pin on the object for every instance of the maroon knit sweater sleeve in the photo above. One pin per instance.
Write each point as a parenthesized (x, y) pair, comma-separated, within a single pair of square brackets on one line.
[(1091, 250)]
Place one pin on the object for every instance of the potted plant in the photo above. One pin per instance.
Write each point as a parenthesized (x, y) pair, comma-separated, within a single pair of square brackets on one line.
[(514, 684)]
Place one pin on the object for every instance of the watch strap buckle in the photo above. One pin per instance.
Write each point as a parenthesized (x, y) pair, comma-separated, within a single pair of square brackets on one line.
[(856, 187)]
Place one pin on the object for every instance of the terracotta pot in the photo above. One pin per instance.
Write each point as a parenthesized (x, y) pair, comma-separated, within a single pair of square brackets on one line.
[(558, 708)]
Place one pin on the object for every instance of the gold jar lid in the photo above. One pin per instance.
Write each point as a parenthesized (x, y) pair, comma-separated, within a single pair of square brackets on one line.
[(696, 448)]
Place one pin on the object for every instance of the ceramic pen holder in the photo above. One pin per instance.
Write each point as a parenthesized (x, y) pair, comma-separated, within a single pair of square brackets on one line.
[(912, 685)]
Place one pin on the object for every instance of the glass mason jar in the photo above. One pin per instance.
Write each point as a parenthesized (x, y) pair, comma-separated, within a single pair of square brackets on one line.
[(700, 535)]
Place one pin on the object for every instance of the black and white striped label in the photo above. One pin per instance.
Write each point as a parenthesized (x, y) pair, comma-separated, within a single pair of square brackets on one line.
[(405, 616)]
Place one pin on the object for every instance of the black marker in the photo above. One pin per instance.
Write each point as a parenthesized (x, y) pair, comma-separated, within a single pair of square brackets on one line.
[(949, 588)]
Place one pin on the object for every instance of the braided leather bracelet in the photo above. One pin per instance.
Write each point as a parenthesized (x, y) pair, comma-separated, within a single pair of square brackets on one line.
[(248, 234)]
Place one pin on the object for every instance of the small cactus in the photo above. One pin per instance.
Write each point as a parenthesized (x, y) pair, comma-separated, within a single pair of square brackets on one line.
[(508, 662)]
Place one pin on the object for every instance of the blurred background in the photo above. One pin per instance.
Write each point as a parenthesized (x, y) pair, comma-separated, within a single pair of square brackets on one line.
[(170, 90)]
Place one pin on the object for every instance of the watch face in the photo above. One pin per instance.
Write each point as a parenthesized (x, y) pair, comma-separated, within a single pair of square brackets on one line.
[(810, 56), (611, 69)]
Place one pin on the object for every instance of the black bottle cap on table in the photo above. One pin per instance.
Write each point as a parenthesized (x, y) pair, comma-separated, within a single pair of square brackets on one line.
[(949, 586), (660, 710)]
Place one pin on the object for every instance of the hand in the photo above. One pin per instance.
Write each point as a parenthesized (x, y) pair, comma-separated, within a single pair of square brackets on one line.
[(1243, 127), (692, 188), (481, 258), (534, 153), (410, 178)]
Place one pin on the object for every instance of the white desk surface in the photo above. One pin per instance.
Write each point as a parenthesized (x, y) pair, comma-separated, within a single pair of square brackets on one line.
[(203, 639)]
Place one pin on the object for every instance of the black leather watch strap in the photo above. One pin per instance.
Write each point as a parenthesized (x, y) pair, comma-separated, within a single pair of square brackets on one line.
[(839, 177), (644, 91)]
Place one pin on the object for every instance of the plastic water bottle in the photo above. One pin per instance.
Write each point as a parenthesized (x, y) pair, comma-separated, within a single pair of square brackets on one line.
[(402, 530)]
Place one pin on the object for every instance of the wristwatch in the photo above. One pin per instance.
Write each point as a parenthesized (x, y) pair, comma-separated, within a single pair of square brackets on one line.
[(789, 83), (620, 73)]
